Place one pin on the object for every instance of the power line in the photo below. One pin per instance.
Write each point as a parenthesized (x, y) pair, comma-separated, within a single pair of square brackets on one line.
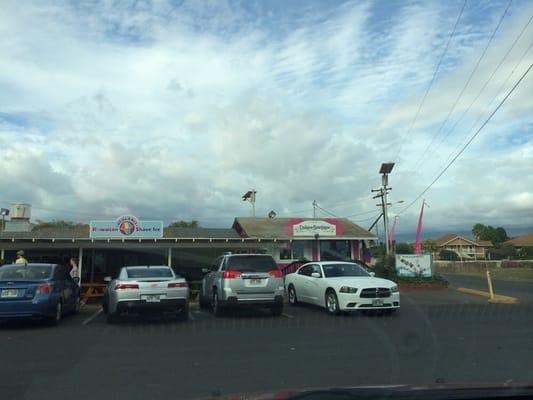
[(358, 214), (326, 211), (482, 89), (425, 152), (367, 219), (470, 140), (498, 93), (452, 34)]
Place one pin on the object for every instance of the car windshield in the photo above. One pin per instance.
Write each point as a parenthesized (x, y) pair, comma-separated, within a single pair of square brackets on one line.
[(251, 264), (28, 272), (304, 165), (336, 270), (148, 272)]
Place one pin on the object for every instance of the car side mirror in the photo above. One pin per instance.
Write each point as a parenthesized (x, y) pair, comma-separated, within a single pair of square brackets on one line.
[(372, 274), (107, 279), (316, 275)]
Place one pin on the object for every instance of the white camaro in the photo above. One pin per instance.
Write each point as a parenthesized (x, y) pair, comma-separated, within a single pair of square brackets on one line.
[(341, 286)]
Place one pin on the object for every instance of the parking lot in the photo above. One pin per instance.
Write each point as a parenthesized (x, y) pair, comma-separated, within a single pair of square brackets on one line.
[(438, 336)]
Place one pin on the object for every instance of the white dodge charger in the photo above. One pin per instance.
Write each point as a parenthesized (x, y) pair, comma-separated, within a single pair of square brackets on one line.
[(341, 286)]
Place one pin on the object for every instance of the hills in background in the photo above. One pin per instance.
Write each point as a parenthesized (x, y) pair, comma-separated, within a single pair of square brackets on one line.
[(409, 237)]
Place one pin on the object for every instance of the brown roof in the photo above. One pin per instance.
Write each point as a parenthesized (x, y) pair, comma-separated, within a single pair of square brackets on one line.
[(524, 240), (441, 241), (276, 227)]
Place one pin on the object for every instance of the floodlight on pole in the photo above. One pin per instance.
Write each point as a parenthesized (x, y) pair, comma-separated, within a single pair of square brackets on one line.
[(250, 196)]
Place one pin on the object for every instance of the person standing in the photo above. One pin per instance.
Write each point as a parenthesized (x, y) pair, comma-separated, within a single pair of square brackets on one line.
[(20, 258), (74, 268)]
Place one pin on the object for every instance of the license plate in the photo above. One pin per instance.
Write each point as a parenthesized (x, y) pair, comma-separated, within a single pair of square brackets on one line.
[(152, 298), (377, 302), (10, 293), (255, 281)]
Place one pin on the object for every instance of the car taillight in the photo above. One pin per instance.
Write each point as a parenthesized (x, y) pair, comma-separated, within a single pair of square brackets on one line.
[(122, 286), (231, 274), (45, 288), (275, 273), (178, 285)]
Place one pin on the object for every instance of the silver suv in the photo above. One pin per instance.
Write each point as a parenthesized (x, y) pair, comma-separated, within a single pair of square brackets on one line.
[(243, 280)]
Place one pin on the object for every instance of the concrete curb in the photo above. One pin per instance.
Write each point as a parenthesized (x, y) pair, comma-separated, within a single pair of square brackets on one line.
[(497, 298)]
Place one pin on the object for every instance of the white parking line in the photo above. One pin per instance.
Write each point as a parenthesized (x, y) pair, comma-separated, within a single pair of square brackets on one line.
[(287, 315), (96, 314)]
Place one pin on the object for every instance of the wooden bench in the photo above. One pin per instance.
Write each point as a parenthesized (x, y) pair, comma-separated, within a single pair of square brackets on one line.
[(92, 291)]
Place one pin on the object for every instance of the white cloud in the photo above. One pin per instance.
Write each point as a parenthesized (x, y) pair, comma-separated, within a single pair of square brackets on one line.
[(172, 112)]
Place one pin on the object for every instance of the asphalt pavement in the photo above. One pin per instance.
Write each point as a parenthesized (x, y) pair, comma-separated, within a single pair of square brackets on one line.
[(438, 336), (522, 290)]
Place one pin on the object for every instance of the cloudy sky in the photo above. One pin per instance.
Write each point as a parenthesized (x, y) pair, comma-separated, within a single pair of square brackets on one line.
[(173, 109)]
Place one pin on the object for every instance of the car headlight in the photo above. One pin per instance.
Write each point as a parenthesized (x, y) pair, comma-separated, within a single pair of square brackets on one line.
[(348, 289), (394, 289)]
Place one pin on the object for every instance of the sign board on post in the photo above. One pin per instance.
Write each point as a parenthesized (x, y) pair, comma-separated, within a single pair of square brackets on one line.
[(126, 227), (314, 227), (412, 265)]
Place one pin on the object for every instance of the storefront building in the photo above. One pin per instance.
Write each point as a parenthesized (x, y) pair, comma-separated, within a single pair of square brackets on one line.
[(105, 246), (318, 239)]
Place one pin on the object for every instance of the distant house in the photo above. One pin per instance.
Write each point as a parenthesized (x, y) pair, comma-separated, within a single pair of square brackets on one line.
[(467, 249), (521, 241)]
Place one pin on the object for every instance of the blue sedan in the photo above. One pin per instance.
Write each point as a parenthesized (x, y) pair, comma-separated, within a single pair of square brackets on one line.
[(43, 291)]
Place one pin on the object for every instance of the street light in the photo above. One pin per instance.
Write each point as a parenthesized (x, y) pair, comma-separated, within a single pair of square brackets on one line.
[(250, 196)]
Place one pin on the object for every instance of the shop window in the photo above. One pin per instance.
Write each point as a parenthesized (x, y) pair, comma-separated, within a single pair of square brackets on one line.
[(298, 250), (285, 253), (335, 250)]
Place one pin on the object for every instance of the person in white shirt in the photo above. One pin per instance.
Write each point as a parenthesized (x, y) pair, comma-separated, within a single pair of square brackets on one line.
[(74, 269)]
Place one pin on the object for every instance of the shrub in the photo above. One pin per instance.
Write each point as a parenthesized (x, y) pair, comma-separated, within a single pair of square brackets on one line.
[(404, 248)]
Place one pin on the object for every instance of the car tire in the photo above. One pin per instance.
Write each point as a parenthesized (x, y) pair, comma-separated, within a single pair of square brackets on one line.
[(217, 310), (77, 307), (183, 314), (58, 314), (293, 299), (332, 303), (277, 310)]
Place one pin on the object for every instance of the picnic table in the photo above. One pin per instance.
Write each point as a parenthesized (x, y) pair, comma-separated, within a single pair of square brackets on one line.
[(92, 291)]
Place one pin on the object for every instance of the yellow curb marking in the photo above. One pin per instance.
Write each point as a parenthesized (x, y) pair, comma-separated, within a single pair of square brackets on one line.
[(497, 298)]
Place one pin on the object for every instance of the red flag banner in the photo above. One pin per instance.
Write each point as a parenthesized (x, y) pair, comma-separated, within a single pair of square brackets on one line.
[(418, 245), (391, 233)]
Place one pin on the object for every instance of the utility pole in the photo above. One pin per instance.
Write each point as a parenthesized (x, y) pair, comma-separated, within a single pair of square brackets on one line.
[(381, 195), (385, 213), (252, 200), (314, 208), (385, 170)]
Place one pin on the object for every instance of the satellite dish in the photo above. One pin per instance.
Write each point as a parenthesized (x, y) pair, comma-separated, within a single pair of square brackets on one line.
[(272, 214)]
